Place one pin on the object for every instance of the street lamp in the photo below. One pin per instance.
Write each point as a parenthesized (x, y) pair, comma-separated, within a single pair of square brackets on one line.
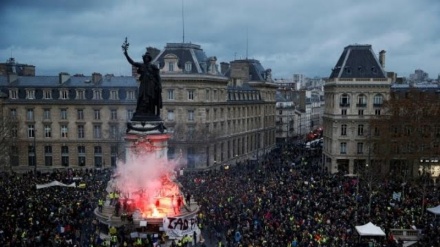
[(35, 151)]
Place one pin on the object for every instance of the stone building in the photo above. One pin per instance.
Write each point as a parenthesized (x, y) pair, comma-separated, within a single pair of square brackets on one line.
[(353, 94), (80, 121)]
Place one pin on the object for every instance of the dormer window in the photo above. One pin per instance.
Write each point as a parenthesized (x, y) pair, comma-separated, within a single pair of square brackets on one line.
[(348, 70), (80, 94), (13, 93), (64, 94), (374, 70), (170, 66), (97, 94), (47, 94), (30, 93), (188, 66)]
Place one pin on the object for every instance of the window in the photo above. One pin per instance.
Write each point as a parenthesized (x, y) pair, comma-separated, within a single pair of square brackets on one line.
[(80, 94), (80, 114), (360, 130), (171, 66), (377, 100), (343, 147), (190, 115), (129, 114), (30, 94), (81, 132), (97, 114), (14, 161), (48, 155), (207, 95), (343, 130), (64, 94), (344, 112), (98, 156), (46, 114), (47, 131), (114, 155), (32, 161), (361, 112), (360, 148), (114, 95), (113, 114), (171, 94), (130, 95), (14, 131), (30, 115), (13, 93), (188, 66), (344, 100), (64, 131), (97, 94), (376, 131), (97, 131), (64, 155), (47, 94), (114, 131), (191, 94), (170, 115), (13, 113), (362, 101), (31, 131), (377, 112), (81, 155), (63, 114)]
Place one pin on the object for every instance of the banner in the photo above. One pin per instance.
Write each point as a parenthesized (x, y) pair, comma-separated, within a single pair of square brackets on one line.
[(54, 183), (177, 227)]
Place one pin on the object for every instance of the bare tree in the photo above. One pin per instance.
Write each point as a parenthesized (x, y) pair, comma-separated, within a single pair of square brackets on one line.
[(409, 131)]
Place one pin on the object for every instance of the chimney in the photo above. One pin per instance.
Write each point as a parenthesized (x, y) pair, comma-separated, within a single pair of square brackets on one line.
[(382, 58), (224, 67), (63, 77), (96, 77), (12, 77)]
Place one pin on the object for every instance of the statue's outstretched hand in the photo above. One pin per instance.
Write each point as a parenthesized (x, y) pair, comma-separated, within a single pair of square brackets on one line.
[(125, 45)]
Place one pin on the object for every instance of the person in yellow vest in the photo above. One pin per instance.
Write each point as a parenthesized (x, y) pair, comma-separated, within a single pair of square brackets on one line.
[(100, 204), (179, 243), (138, 242), (114, 241)]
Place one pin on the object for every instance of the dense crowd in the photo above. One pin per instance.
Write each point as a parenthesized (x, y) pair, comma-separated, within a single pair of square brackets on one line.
[(285, 199), (52, 216), (288, 200)]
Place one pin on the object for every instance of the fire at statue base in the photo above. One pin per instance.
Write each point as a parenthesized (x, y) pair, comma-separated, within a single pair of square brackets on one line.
[(143, 193)]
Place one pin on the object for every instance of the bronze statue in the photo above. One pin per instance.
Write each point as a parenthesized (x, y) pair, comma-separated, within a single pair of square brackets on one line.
[(149, 101)]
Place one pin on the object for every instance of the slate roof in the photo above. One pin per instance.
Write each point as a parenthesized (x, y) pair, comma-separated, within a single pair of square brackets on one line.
[(186, 52), (256, 70), (73, 81), (358, 61)]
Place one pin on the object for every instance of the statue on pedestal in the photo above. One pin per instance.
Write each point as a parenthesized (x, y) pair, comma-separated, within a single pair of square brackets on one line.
[(149, 101)]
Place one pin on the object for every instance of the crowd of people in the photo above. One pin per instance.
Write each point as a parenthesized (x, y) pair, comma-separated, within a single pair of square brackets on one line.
[(54, 215), (285, 199), (289, 200)]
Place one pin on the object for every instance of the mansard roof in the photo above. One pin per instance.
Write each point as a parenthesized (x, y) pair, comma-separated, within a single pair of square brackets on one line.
[(256, 70), (358, 61), (107, 81), (186, 53)]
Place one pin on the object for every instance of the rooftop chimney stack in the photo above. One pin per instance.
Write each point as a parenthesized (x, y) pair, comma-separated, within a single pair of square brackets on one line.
[(382, 58), (63, 77), (96, 77)]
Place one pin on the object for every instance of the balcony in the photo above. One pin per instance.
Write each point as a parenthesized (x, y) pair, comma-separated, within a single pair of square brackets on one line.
[(377, 104), (344, 104), (361, 105)]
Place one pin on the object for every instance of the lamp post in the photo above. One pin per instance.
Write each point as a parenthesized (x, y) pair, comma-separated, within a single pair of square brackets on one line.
[(35, 151)]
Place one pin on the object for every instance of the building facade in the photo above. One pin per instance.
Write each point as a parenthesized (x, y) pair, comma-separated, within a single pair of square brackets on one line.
[(80, 121), (354, 93)]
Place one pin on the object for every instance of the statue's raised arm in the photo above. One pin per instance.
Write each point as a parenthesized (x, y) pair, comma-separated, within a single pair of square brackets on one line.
[(149, 100), (125, 46)]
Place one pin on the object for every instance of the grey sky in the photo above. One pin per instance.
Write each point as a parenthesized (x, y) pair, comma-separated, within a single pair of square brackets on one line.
[(288, 36)]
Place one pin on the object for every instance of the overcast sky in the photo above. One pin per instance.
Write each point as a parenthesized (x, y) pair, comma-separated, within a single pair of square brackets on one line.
[(288, 36)]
